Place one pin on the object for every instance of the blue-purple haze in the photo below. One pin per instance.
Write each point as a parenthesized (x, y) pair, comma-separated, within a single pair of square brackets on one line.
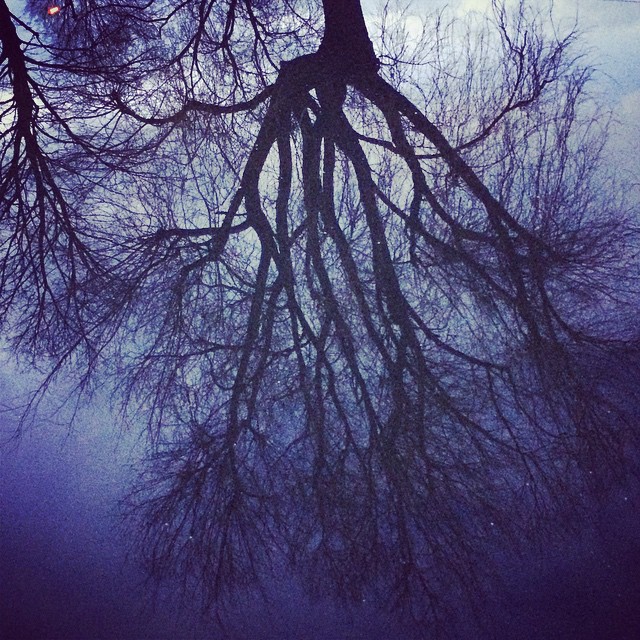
[(62, 556)]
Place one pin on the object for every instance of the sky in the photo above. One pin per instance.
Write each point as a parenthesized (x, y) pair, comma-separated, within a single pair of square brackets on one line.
[(63, 573), (609, 36)]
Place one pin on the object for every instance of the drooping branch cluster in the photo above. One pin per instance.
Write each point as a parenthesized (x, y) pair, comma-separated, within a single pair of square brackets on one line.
[(360, 346), (402, 370)]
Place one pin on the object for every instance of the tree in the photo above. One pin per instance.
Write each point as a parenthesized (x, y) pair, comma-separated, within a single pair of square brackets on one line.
[(362, 337)]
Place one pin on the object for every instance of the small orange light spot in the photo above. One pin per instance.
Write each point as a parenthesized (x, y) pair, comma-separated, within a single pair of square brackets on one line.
[(53, 10)]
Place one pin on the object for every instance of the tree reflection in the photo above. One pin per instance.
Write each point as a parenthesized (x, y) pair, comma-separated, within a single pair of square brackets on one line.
[(363, 339)]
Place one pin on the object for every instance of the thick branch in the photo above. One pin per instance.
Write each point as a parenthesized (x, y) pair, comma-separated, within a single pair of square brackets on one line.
[(345, 34)]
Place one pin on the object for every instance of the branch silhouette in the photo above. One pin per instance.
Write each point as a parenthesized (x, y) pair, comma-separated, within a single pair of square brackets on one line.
[(359, 311)]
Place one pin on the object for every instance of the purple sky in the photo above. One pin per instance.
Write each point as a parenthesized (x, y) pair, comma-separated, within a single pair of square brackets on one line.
[(610, 35), (62, 571)]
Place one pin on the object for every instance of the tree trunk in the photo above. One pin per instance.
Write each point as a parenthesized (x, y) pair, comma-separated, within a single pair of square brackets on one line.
[(346, 39)]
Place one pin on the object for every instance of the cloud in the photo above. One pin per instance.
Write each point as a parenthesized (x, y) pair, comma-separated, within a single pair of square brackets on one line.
[(625, 136)]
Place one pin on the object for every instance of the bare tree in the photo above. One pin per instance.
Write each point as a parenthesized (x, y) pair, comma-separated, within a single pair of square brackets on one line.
[(356, 289)]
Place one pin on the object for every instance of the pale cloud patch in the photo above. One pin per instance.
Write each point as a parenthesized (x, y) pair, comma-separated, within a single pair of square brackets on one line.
[(625, 139)]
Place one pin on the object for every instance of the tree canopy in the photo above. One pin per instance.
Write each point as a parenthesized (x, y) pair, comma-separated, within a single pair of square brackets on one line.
[(364, 287)]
